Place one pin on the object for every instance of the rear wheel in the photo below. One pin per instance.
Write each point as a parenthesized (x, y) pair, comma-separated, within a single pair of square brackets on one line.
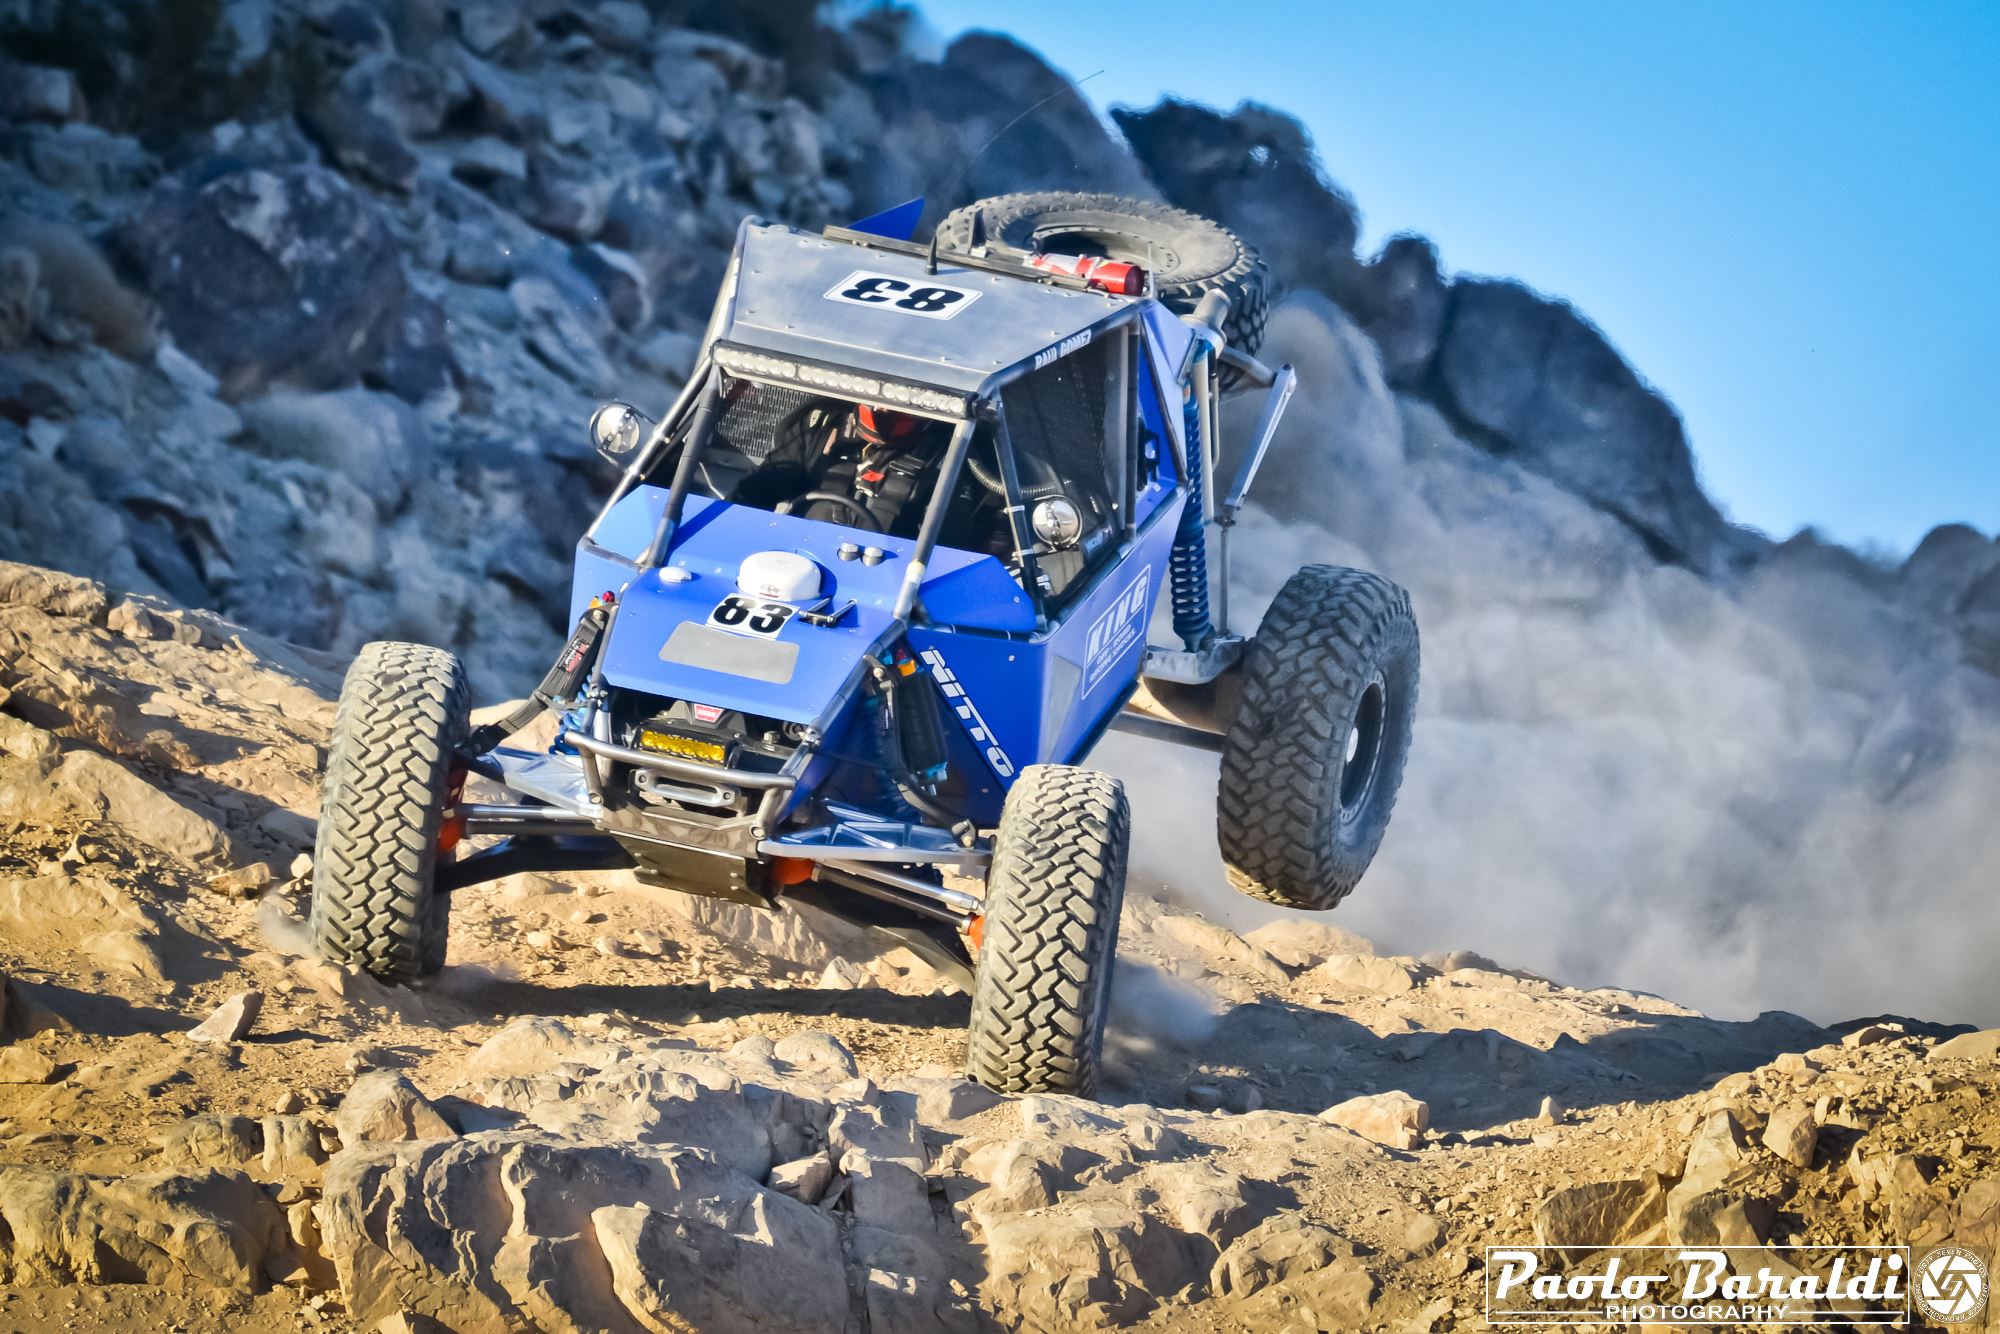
[(1314, 756), (390, 776), (1187, 254), (1050, 933)]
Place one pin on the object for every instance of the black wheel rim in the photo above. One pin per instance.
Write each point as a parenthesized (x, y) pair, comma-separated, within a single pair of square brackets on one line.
[(1364, 749)]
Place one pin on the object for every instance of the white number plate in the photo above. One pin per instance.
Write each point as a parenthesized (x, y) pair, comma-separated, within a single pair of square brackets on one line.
[(906, 296), (750, 616)]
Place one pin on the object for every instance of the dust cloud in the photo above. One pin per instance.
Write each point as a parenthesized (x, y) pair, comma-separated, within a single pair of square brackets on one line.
[(1783, 793)]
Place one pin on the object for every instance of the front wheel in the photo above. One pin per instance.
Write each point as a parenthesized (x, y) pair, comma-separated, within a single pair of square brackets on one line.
[(1050, 933), (390, 776), (1314, 755)]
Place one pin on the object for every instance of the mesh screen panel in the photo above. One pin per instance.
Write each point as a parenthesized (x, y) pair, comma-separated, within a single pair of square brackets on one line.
[(1055, 418)]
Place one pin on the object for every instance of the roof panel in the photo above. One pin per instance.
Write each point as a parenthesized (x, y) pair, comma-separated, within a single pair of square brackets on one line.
[(803, 295)]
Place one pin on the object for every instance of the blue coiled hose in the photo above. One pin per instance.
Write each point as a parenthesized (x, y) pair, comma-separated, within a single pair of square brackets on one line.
[(1188, 566)]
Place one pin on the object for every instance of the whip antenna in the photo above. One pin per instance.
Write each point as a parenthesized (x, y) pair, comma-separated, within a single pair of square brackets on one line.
[(1069, 86)]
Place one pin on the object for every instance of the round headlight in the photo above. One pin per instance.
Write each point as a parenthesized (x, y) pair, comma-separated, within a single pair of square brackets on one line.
[(1058, 522)]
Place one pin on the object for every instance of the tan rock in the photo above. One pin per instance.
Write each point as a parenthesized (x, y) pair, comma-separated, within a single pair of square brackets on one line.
[(24, 1065), (782, 1272), (231, 1020), (1795, 1063), (1983, 1046), (803, 1179), (1717, 1218), (1365, 972), (1792, 1134), (1605, 1213), (209, 1140), (1215, 945), (1287, 1247), (1393, 1118), (1871, 1034), (1300, 943), (382, 1105), (1109, 1264), (204, 1230), (1718, 1151)]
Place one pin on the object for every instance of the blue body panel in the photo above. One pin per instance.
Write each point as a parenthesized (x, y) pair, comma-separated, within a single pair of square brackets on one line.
[(713, 538), (1044, 699)]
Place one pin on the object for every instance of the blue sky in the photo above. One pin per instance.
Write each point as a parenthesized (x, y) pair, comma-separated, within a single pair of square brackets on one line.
[(1786, 214)]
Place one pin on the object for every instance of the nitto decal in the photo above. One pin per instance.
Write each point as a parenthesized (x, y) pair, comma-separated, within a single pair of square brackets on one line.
[(932, 300), (961, 704), (750, 616), (1116, 630), (1062, 349)]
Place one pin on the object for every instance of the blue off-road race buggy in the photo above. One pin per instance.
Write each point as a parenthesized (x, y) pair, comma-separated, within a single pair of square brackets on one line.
[(865, 597)]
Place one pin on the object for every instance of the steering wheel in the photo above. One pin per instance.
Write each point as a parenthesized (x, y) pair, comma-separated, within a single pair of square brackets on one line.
[(865, 517)]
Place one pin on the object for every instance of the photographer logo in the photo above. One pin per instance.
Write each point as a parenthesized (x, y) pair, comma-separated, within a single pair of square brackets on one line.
[(1951, 1285)]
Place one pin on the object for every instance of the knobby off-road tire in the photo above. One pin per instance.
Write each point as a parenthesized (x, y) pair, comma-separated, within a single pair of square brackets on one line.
[(1189, 255), (1315, 753), (1043, 979), (389, 775)]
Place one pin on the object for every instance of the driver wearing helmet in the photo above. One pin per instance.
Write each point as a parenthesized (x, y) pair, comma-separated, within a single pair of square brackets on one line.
[(869, 467)]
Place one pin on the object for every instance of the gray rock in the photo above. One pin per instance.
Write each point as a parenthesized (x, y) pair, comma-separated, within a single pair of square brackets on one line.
[(270, 277), (618, 24), (38, 92), (486, 161), (1253, 169), (487, 25), (376, 441), (1540, 380), (622, 281), (557, 336), (1399, 300), (503, 103), (356, 134), (562, 196)]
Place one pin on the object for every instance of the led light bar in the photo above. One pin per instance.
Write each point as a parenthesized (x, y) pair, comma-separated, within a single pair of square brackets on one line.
[(684, 747), (743, 362)]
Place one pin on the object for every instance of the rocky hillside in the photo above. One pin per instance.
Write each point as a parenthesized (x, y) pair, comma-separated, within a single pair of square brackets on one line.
[(622, 1110), (303, 304)]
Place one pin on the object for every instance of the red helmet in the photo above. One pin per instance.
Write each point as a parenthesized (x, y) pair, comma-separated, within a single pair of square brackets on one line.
[(885, 426)]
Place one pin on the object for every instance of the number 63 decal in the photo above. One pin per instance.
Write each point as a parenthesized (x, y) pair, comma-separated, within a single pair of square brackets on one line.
[(906, 296), (750, 616)]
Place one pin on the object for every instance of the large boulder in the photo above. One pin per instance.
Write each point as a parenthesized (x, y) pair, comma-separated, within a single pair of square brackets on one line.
[(1399, 299), (1539, 382), (286, 276), (497, 1232), (936, 118), (206, 1230), (1255, 170)]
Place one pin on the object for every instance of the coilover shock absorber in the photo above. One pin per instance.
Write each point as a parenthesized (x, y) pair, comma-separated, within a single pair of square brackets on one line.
[(1188, 566)]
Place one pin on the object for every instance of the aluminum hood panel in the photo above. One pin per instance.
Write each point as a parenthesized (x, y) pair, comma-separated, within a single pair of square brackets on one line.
[(787, 304)]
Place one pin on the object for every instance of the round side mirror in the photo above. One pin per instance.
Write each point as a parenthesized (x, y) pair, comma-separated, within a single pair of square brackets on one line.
[(617, 429), (1058, 523)]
